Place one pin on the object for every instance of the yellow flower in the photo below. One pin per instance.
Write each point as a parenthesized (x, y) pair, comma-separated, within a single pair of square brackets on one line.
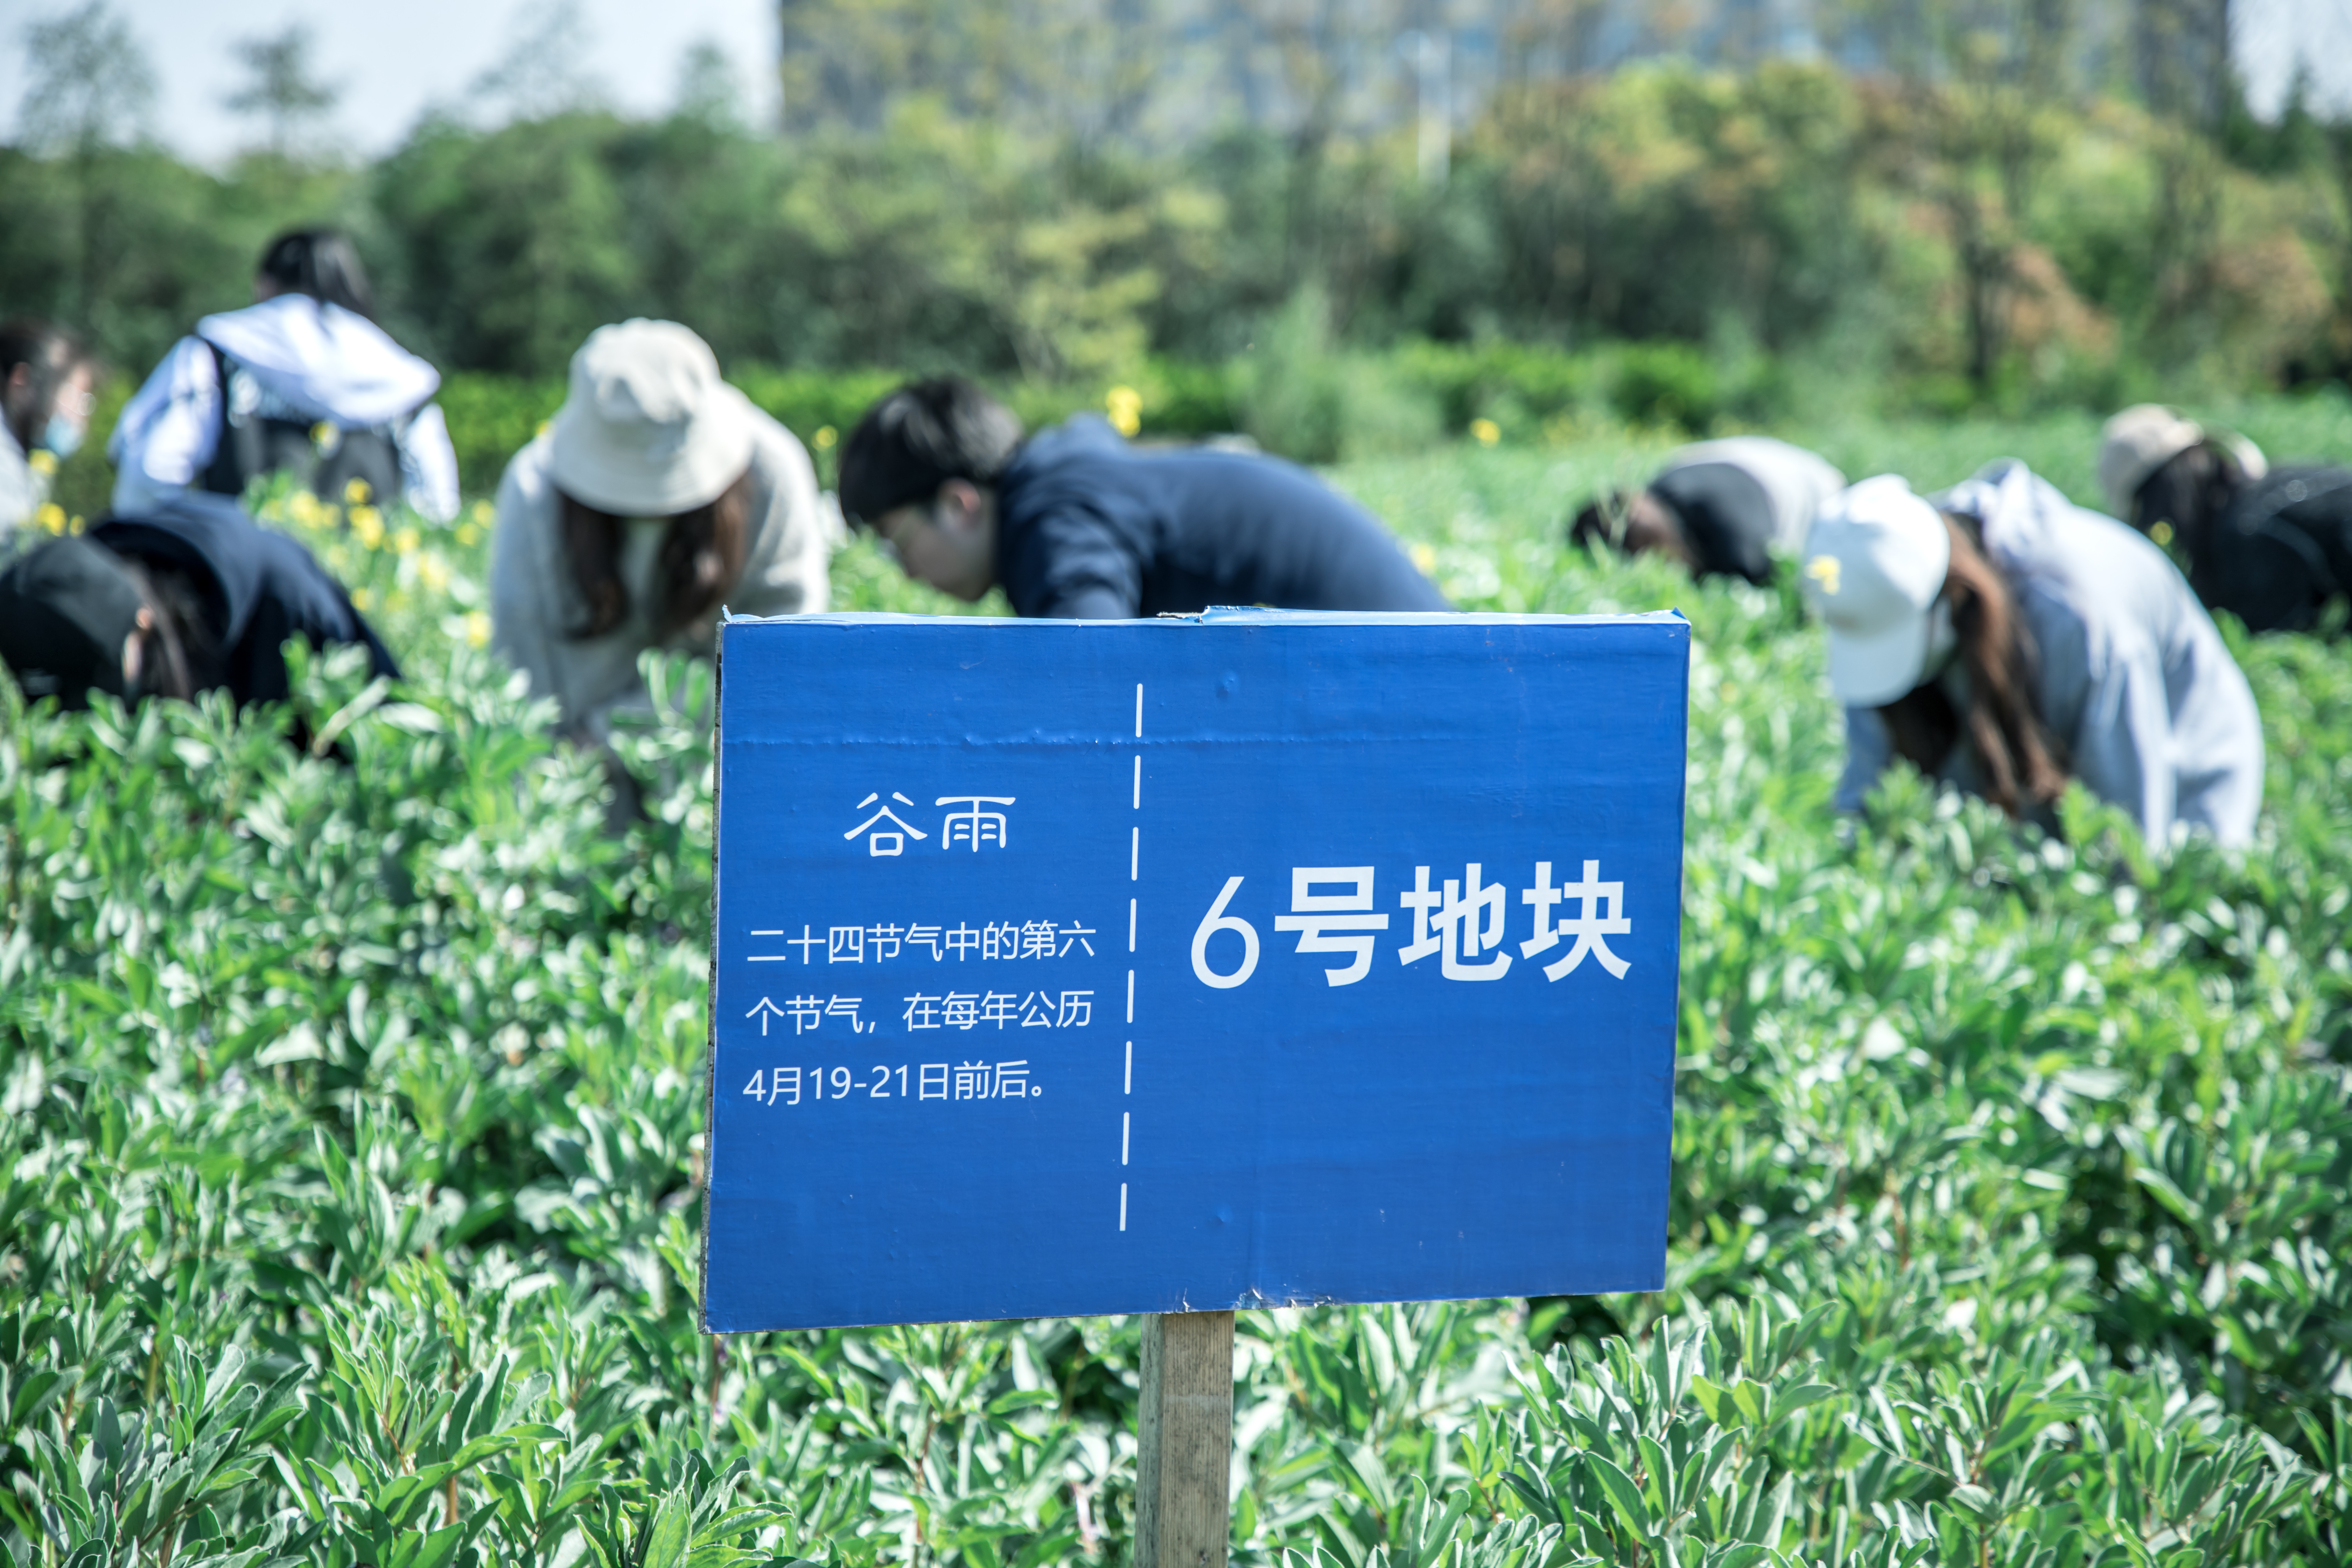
[(406, 541), (1124, 406), (1424, 558), (825, 436), (1487, 431), (361, 599), (42, 461), (356, 492), (2161, 533), (481, 513), (433, 571), (467, 533), (477, 628), (51, 516), (367, 526), (542, 427)]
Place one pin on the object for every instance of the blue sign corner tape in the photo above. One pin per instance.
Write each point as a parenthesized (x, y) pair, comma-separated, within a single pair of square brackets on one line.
[(1248, 958)]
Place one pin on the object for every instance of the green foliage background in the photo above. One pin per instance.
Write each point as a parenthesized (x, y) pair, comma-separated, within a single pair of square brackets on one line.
[(1809, 232), (352, 1100)]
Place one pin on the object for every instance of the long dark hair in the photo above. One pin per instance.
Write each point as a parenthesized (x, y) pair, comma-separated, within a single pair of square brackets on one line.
[(180, 651), (701, 557), (2020, 765), (2188, 493), (321, 263)]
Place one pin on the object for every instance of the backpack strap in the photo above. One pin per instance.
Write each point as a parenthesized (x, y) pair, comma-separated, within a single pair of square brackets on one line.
[(225, 473)]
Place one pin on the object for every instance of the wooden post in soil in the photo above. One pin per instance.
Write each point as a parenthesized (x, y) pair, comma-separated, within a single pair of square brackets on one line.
[(1184, 1441)]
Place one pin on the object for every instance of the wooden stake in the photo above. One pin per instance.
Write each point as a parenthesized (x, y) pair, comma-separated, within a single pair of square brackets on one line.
[(1184, 1441)]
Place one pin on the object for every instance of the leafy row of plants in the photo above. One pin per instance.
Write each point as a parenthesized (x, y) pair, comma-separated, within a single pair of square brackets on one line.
[(351, 1101)]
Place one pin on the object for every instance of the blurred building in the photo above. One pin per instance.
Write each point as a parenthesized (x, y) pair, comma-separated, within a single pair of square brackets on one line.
[(1162, 70)]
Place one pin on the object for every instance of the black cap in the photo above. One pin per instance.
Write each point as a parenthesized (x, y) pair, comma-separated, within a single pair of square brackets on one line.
[(66, 609)]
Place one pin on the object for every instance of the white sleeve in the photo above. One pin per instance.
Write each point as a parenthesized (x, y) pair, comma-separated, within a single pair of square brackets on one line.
[(519, 609), (166, 434), (784, 571), (2122, 749), (428, 464)]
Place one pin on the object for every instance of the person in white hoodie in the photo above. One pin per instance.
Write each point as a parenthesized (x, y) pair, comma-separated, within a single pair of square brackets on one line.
[(301, 380), (656, 495), (1721, 507), (2002, 639)]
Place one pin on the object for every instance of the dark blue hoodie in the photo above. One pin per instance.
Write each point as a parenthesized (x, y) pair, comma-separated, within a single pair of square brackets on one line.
[(1089, 527), (262, 588)]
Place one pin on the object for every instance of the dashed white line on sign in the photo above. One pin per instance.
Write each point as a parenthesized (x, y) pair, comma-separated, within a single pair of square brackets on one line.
[(1134, 874)]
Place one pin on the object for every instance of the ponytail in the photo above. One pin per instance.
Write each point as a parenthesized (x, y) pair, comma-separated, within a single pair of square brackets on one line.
[(2018, 763)]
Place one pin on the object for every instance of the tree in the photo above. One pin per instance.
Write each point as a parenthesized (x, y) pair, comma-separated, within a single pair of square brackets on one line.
[(92, 84), (282, 91), (708, 88), (90, 92), (544, 72)]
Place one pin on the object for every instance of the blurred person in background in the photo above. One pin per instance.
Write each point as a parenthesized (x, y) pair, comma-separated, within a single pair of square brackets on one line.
[(190, 595), (1074, 523), (656, 495), (2273, 547), (47, 382), (1720, 508), (2012, 639), (300, 381)]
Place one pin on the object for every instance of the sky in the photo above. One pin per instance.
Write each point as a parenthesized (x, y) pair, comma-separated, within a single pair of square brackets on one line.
[(393, 59)]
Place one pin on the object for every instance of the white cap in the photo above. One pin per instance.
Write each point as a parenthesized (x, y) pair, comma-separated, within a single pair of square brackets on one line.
[(2146, 437), (648, 429), (1875, 563)]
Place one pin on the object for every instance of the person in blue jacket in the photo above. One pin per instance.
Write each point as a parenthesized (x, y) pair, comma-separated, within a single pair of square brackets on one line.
[(187, 597), (1076, 524), (2002, 639)]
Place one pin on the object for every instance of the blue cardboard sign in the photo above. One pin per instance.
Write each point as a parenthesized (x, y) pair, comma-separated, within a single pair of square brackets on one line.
[(1248, 959)]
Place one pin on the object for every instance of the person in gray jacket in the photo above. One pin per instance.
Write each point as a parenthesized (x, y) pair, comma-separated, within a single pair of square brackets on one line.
[(2002, 639), (656, 494), (1721, 507)]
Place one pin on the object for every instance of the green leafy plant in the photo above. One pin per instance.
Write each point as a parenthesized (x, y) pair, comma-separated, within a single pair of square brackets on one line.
[(350, 1109)]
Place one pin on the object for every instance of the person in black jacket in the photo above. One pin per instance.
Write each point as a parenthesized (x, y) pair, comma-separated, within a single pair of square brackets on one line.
[(1077, 525), (190, 595), (2271, 546)]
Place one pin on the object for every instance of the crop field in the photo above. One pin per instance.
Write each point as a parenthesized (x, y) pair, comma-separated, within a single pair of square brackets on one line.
[(353, 1097)]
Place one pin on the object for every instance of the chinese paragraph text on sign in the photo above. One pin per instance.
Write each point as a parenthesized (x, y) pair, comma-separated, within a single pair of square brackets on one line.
[(1248, 959)]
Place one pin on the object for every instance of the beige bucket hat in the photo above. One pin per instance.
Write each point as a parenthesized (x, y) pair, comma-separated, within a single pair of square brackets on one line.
[(648, 429)]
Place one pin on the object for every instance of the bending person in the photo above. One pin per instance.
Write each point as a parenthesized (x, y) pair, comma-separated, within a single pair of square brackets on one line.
[(45, 377), (2273, 547), (2013, 638), (1719, 507), (190, 597), (1076, 524), (656, 494), (301, 382)]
